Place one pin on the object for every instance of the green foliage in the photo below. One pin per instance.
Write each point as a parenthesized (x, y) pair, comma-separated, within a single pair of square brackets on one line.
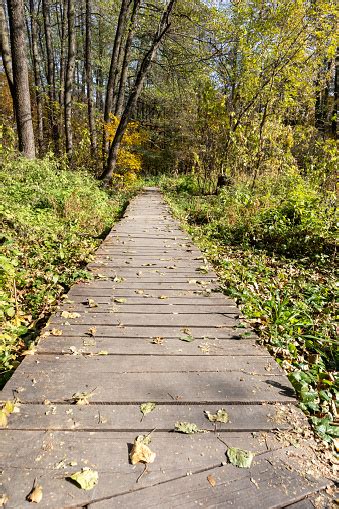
[(52, 219), (273, 246)]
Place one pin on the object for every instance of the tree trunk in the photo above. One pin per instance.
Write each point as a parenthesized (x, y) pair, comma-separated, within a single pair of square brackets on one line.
[(69, 79), (62, 7), (50, 73), (335, 113), (22, 99), (88, 63), (125, 63), (37, 77), (5, 50), (146, 63), (113, 69)]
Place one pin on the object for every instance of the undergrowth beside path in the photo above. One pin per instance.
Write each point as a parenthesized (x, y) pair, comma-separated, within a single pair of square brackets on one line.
[(274, 254), (52, 221)]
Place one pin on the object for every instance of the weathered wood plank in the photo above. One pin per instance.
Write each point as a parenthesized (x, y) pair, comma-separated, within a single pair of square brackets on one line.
[(150, 346), (124, 331), (93, 417), (37, 385), (270, 483), (150, 319), (46, 456)]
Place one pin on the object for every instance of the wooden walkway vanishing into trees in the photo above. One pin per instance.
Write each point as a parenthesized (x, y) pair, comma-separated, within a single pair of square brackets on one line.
[(151, 326)]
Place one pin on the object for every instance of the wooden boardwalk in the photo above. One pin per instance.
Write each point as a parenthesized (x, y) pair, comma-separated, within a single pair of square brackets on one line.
[(159, 332)]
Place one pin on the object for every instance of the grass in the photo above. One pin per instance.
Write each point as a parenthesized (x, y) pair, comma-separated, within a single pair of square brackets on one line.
[(52, 221), (273, 248)]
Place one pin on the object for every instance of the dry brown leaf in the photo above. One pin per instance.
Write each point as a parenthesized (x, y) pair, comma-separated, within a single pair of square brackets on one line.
[(158, 340), (35, 495), (56, 332), (92, 331), (211, 480), (66, 314), (140, 452)]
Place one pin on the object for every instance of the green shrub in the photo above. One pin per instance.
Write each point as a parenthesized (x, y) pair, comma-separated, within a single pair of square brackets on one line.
[(52, 219)]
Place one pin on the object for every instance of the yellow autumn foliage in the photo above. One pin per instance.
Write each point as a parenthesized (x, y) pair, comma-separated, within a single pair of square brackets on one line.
[(129, 162)]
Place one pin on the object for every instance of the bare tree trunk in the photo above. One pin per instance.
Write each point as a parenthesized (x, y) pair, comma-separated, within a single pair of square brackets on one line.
[(37, 77), (22, 99), (335, 114), (88, 64), (5, 50), (124, 70), (50, 73), (69, 79), (113, 69), (98, 74), (63, 7), (146, 63)]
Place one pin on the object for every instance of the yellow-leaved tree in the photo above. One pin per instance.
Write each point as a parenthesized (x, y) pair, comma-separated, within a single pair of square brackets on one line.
[(129, 161)]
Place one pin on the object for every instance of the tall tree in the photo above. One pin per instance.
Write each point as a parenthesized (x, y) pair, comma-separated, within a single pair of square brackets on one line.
[(5, 50), (50, 62), (126, 58), (36, 72), (145, 65), (69, 78), (89, 82), (22, 99), (113, 67)]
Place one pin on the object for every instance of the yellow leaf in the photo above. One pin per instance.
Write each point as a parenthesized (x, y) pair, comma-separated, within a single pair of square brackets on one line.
[(86, 479), (3, 419), (56, 332)]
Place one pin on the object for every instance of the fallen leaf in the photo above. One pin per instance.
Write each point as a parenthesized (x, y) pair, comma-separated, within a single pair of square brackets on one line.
[(220, 416), (86, 478), (56, 332), (211, 480), (82, 398), (92, 331), (91, 303), (35, 495), (66, 314), (30, 351), (146, 408), (3, 419), (187, 338), (240, 457), (118, 279), (139, 292), (162, 297), (3, 500), (187, 427), (140, 452), (119, 301), (102, 352), (158, 340)]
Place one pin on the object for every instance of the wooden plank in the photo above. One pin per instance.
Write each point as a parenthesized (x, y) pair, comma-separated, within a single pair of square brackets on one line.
[(150, 319), (46, 365), (124, 331), (251, 418), (37, 385), (270, 483), (108, 290), (145, 307), (134, 299), (146, 346), (46, 456)]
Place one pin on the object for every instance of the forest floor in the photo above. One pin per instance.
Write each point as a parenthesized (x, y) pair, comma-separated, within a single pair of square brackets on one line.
[(149, 352)]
